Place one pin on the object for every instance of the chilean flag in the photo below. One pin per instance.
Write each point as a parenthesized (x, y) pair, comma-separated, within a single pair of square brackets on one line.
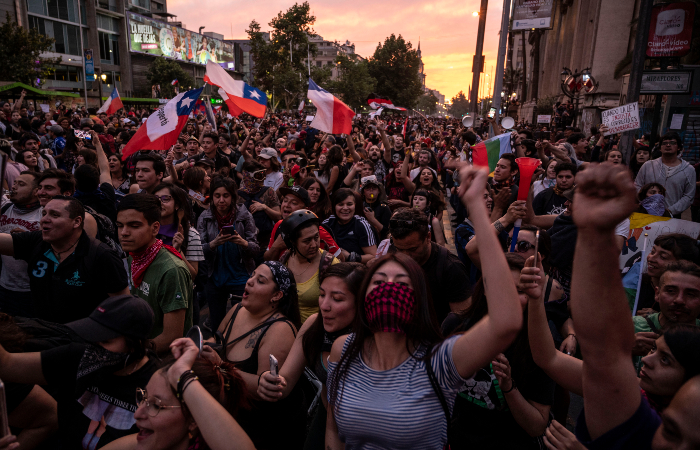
[(112, 104), (238, 95), (161, 129), (332, 115)]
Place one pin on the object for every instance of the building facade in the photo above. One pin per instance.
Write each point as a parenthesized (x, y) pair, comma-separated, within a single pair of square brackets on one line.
[(327, 51)]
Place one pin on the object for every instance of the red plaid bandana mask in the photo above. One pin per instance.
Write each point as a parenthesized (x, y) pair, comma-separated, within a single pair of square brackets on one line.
[(390, 307)]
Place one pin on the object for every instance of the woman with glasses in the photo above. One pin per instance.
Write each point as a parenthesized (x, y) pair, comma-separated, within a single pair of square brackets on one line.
[(189, 404)]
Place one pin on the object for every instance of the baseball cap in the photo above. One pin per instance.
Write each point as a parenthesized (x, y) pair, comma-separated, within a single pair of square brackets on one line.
[(297, 191), (123, 315), (268, 153), (205, 161), (569, 194), (192, 138), (57, 129), (372, 179)]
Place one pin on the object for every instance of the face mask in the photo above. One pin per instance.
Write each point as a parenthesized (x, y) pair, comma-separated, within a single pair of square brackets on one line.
[(390, 307)]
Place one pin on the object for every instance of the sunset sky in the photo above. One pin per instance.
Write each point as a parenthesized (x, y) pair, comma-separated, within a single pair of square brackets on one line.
[(447, 29)]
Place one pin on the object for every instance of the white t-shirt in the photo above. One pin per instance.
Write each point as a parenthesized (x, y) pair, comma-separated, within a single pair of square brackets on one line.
[(623, 228), (274, 180), (13, 276)]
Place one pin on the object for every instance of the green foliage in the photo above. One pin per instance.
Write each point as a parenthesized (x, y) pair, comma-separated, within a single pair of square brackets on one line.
[(460, 105), (354, 82), (395, 66), (427, 103), (545, 104), (163, 71), (280, 68), (20, 52)]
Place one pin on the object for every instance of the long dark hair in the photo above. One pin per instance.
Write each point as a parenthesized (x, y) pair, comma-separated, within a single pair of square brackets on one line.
[(334, 157), (226, 183), (352, 275), (521, 358), (323, 207), (634, 165), (182, 203), (423, 331), (289, 303), (684, 342)]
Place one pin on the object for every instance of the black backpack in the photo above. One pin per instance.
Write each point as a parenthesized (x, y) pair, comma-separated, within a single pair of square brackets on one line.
[(106, 231)]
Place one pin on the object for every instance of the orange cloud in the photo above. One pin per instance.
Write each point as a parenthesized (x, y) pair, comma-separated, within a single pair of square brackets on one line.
[(447, 29)]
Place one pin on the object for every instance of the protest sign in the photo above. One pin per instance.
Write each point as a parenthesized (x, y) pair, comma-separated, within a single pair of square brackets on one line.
[(622, 118), (544, 118), (310, 118)]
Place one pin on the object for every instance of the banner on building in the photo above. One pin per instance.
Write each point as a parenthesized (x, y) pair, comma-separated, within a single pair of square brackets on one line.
[(89, 65), (528, 14), (161, 39), (623, 118), (671, 29)]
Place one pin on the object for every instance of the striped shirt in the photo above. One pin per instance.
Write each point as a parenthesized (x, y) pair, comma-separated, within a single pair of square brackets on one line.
[(352, 236), (194, 252), (396, 408)]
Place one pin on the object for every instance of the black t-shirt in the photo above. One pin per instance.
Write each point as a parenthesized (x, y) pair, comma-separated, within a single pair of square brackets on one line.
[(481, 412), (447, 278), (103, 201), (547, 203), (71, 290), (382, 213), (83, 403), (353, 235)]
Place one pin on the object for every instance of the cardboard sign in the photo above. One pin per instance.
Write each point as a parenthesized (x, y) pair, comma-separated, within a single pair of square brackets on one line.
[(310, 118), (544, 118), (671, 30), (622, 118)]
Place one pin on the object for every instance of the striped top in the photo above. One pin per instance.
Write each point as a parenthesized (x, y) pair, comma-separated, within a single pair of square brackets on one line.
[(396, 408)]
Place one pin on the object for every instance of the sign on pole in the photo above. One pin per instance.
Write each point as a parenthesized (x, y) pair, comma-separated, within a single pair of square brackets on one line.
[(529, 14), (665, 82), (544, 118), (89, 65), (622, 118), (671, 29)]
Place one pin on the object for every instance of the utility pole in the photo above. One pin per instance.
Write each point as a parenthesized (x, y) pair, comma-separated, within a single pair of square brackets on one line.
[(498, 82), (635, 81), (82, 47), (478, 63)]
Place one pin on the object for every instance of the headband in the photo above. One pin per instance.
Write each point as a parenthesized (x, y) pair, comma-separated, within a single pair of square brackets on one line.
[(283, 277)]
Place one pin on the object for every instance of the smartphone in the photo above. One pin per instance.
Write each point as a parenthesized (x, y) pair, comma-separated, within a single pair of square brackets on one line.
[(196, 335), (229, 229), (274, 370), (537, 246), (82, 134), (4, 424), (492, 113)]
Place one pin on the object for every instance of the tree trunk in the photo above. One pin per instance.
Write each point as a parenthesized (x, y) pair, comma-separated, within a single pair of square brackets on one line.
[(525, 97)]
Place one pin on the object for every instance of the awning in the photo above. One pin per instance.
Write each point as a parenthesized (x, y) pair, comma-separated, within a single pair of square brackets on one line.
[(40, 92)]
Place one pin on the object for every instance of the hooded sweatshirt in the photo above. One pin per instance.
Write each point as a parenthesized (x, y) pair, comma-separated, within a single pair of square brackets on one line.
[(680, 184)]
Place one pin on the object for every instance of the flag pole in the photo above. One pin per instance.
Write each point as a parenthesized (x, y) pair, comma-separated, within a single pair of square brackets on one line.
[(641, 268)]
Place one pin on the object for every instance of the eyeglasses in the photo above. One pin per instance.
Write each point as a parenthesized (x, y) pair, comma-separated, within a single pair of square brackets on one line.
[(669, 143), (165, 198), (520, 246), (153, 406)]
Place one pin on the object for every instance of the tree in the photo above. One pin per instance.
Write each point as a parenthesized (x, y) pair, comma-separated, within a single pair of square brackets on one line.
[(280, 63), (163, 71), (460, 105), (354, 82), (395, 66), (428, 103), (20, 52)]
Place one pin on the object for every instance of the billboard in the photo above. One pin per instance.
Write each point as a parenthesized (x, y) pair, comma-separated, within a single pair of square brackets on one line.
[(528, 14), (157, 38), (671, 29)]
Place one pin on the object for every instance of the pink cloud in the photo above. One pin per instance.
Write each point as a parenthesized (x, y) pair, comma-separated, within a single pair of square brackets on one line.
[(447, 29)]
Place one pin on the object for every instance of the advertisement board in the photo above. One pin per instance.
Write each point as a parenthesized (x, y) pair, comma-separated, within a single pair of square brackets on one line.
[(528, 14), (161, 39), (671, 29)]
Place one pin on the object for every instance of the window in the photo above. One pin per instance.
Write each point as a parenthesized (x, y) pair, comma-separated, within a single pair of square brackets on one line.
[(67, 73), (319, 63), (58, 9), (107, 4), (145, 4), (158, 6), (108, 23), (109, 48), (67, 38)]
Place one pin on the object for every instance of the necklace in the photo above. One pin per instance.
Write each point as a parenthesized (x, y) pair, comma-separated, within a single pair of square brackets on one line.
[(302, 273), (58, 254), (120, 180)]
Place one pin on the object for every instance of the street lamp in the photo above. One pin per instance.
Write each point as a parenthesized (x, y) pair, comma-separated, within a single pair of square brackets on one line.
[(103, 77), (475, 14), (572, 83)]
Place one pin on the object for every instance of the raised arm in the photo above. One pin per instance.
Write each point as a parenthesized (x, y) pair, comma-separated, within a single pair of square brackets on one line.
[(356, 157), (493, 333), (405, 171), (565, 370), (605, 195), (381, 127), (102, 161)]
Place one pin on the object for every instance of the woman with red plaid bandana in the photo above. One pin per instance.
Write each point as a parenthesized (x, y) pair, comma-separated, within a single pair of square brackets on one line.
[(392, 383)]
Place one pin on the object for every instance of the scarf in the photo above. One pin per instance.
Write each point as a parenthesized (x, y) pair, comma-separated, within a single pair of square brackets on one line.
[(225, 220), (29, 207), (250, 185), (140, 262), (655, 205), (329, 338), (558, 191), (498, 185), (97, 358)]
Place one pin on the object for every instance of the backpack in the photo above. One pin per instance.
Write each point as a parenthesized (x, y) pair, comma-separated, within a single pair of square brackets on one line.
[(106, 232), (45, 335)]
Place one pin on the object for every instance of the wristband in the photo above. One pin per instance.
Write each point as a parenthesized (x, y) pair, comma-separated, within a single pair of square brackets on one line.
[(498, 226), (512, 386), (354, 257), (572, 334), (186, 375)]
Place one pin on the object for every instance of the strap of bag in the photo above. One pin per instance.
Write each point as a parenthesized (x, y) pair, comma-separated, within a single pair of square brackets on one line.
[(441, 397), (651, 325)]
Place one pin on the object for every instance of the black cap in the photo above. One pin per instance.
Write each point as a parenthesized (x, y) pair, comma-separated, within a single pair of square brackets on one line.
[(297, 191), (205, 162), (123, 315)]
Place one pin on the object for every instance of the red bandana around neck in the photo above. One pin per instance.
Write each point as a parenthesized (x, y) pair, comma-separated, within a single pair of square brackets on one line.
[(140, 262), (225, 220)]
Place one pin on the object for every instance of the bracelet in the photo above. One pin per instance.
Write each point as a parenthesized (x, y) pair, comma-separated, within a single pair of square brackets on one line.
[(354, 257), (260, 376), (572, 334), (186, 375), (190, 381), (512, 386)]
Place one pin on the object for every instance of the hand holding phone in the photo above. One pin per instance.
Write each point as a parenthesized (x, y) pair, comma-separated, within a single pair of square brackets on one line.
[(537, 247), (229, 230), (274, 370)]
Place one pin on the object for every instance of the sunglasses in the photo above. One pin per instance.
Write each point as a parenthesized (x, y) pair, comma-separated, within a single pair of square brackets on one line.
[(153, 406), (520, 246)]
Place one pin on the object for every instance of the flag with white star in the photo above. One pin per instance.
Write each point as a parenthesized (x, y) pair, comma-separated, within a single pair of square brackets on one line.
[(239, 96), (161, 129)]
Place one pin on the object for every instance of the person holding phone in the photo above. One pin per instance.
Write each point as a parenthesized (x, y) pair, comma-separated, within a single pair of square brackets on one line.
[(229, 241)]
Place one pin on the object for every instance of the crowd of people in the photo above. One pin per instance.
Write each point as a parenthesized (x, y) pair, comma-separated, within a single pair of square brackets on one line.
[(334, 313)]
